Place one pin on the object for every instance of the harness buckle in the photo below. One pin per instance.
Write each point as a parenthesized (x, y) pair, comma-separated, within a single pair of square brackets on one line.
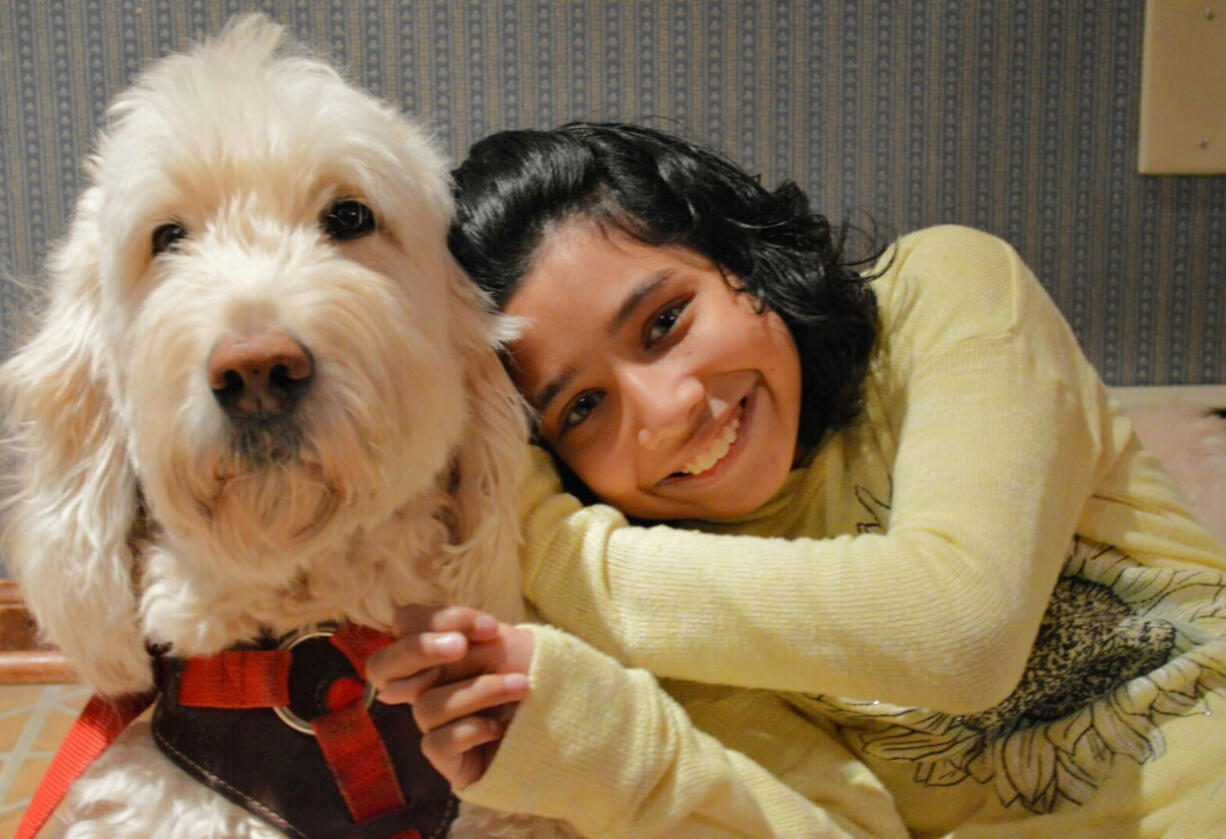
[(288, 642)]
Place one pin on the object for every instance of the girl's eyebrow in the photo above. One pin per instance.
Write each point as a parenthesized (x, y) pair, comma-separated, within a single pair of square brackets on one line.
[(555, 386), (636, 296)]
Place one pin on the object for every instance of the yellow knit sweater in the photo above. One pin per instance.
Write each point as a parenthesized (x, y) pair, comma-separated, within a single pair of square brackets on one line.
[(980, 611)]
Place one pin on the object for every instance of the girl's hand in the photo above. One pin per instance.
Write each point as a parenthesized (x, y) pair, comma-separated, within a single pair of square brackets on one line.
[(463, 672)]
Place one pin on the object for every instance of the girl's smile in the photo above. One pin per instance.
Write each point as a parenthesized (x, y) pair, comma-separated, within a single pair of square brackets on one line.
[(717, 452), (662, 387)]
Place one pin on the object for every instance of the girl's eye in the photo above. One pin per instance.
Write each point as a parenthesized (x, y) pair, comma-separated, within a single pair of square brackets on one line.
[(663, 321), (579, 409)]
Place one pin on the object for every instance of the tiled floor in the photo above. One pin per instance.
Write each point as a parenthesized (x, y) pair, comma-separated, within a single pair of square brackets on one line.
[(33, 720)]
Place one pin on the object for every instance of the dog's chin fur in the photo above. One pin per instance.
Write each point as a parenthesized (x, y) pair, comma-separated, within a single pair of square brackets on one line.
[(144, 513)]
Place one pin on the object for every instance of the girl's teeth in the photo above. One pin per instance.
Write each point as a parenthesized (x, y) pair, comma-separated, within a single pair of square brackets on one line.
[(715, 453)]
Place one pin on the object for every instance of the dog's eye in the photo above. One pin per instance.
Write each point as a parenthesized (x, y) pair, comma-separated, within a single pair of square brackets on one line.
[(166, 235), (348, 219)]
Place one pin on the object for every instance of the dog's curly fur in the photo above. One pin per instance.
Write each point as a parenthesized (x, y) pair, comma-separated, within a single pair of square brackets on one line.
[(142, 515)]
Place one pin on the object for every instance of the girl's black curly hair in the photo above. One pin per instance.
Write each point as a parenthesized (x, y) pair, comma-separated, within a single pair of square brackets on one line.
[(663, 190)]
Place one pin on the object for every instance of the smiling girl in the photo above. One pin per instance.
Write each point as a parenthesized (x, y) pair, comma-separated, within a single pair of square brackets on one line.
[(918, 566), (715, 423)]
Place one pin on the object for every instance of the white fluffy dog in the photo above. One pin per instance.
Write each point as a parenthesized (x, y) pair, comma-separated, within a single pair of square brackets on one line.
[(262, 397)]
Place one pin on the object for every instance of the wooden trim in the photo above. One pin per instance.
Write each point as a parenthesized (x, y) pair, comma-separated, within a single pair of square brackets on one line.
[(35, 667), (1205, 396), (23, 658)]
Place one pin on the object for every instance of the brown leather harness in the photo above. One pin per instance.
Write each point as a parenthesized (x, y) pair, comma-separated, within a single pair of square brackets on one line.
[(288, 729)]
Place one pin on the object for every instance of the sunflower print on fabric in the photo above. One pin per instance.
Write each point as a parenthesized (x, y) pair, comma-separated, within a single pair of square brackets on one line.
[(1121, 648)]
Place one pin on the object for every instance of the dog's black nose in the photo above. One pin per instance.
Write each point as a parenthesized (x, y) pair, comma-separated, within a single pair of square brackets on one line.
[(260, 374)]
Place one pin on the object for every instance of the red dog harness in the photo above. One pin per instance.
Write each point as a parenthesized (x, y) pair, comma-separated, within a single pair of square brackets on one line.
[(286, 730)]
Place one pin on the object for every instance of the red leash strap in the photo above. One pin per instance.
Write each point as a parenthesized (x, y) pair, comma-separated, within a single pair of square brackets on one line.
[(351, 745), (236, 679), (359, 761), (100, 722), (359, 643)]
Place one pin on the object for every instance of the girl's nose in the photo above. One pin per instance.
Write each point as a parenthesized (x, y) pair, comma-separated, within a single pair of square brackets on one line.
[(665, 409)]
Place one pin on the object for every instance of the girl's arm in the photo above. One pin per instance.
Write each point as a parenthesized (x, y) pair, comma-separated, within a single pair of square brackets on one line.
[(1001, 428), (606, 749)]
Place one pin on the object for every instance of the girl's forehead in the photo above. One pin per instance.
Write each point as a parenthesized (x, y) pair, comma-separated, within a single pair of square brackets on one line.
[(599, 256)]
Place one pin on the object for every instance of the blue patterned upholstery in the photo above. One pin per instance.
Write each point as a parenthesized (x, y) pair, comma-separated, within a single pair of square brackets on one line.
[(1014, 116)]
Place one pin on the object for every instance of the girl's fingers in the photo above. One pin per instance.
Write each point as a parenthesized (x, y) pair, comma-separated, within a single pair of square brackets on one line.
[(412, 654), (455, 750), (440, 645), (406, 691), (438, 707), (416, 618), (415, 654)]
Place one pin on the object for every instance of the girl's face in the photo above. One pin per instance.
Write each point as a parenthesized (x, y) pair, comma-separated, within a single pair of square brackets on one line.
[(658, 385)]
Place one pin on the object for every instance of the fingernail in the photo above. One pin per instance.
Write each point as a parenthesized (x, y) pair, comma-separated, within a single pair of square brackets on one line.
[(449, 643), (515, 682), (485, 623)]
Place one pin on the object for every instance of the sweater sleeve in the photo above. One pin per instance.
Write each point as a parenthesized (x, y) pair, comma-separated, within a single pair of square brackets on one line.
[(606, 749), (999, 423)]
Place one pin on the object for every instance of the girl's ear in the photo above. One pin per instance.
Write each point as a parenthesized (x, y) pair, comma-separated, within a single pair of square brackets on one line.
[(69, 540), (491, 462)]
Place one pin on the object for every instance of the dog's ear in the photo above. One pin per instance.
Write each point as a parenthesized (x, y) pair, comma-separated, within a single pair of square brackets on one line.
[(70, 516), (491, 461)]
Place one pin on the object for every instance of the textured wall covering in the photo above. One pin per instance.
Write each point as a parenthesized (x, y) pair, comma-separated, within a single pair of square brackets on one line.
[(1018, 117)]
